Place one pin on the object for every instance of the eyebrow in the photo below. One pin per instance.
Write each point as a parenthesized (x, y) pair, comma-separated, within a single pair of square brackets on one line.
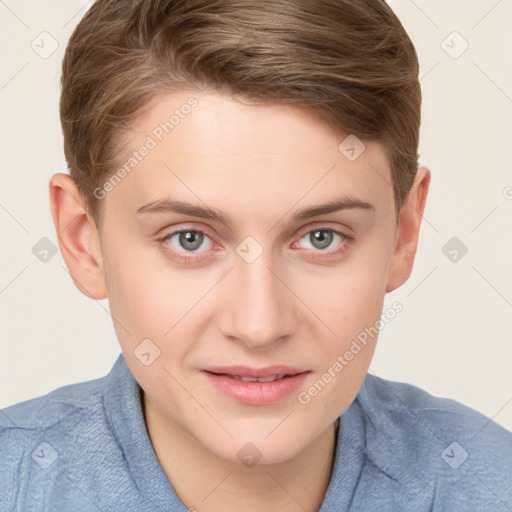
[(169, 205)]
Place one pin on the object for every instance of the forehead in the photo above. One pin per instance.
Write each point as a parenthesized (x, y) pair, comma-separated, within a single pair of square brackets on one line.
[(228, 126), (213, 145)]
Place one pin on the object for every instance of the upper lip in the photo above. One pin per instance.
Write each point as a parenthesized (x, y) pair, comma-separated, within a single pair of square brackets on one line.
[(245, 371)]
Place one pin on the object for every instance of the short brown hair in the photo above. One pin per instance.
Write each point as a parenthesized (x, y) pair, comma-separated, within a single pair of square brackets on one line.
[(349, 63)]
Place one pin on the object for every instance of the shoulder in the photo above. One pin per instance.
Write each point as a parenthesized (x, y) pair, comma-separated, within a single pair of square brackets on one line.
[(441, 449), (36, 433), (409, 407), (45, 411), (63, 450)]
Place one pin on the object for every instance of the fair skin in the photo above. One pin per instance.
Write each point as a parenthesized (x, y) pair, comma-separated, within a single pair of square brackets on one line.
[(299, 303)]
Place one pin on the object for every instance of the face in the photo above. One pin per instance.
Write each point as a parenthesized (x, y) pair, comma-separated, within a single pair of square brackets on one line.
[(255, 284)]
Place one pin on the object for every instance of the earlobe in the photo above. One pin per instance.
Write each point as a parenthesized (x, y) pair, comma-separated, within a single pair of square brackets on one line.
[(411, 216), (78, 237)]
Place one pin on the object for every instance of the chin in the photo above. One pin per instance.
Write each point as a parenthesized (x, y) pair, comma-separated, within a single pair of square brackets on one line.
[(256, 447)]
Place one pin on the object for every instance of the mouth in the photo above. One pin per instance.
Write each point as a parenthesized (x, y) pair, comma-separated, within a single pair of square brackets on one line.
[(275, 371), (256, 386), (244, 378)]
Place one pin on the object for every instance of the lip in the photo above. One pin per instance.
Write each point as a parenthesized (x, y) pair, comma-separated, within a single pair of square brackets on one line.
[(246, 371), (256, 393)]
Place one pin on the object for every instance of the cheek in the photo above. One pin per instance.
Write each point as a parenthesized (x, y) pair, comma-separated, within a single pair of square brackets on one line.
[(350, 304), (348, 298), (353, 315), (143, 297), (148, 298)]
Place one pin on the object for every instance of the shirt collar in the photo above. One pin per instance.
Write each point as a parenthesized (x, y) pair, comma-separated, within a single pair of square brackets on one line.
[(123, 407), (370, 430), (397, 440)]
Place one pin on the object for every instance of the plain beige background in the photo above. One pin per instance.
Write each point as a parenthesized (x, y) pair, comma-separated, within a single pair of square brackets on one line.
[(454, 335)]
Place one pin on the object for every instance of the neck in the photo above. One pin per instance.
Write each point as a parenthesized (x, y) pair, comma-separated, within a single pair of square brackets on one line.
[(205, 482)]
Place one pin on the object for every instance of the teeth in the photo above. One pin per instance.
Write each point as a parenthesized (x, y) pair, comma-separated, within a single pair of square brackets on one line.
[(270, 378)]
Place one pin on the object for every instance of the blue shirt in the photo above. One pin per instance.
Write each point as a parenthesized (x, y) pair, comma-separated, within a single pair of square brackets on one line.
[(85, 447)]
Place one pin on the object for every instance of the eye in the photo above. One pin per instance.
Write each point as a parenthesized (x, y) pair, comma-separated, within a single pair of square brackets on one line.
[(322, 238), (184, 245), (189, 240)]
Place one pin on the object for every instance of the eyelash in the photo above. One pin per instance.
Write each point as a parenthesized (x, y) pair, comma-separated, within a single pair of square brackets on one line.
[(344, 245)]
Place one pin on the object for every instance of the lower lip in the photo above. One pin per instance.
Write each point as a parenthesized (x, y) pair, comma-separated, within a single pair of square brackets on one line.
[(256, 393)]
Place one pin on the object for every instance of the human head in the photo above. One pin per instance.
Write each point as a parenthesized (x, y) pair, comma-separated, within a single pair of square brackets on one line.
[(253, 150), (349, 64)]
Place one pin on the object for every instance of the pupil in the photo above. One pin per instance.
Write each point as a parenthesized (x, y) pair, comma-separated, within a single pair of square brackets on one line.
[(187, 240), (324, 240)]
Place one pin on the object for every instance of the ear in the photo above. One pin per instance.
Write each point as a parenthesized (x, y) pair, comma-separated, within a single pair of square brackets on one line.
[(408, 231), (79, 240)]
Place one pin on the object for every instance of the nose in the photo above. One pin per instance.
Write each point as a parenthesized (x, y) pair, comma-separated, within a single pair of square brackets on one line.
[(261, 310)]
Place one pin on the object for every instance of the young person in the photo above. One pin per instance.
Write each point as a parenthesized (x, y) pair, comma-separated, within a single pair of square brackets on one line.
[(245, 190)]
